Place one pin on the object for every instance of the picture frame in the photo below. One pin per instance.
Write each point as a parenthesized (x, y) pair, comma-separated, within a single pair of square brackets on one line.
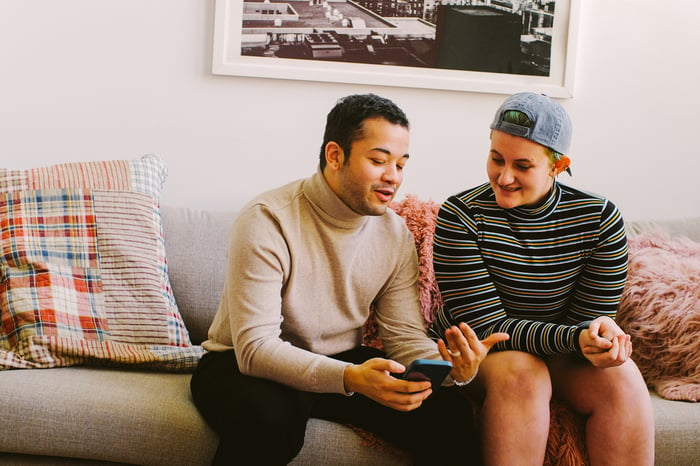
[(231, 39)]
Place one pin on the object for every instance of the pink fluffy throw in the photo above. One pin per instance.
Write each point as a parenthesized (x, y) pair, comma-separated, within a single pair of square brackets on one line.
[(420, 217), (660, 309)]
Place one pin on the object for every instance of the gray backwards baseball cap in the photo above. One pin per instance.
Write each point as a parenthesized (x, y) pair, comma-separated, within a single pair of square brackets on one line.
[(551, 125)]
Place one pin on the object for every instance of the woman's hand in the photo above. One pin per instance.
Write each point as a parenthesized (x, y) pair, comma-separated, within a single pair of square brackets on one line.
[(466, 351), (605, 344)]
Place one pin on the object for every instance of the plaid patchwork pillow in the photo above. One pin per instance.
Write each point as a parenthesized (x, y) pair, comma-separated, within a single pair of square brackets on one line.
[(83, 272)]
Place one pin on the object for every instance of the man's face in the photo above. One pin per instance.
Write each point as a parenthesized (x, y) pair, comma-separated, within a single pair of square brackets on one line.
[(369, 180), (519, 170)]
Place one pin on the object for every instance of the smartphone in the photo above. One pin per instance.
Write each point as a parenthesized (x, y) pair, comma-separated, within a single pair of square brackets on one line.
[(427, 369)]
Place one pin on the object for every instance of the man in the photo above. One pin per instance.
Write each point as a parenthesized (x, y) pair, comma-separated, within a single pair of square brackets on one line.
[(305, 264)]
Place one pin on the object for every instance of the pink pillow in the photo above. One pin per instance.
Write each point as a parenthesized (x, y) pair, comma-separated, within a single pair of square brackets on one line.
[(660, 309)]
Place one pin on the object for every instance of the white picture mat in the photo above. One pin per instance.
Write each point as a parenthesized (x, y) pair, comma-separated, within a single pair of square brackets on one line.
[(227, 60)]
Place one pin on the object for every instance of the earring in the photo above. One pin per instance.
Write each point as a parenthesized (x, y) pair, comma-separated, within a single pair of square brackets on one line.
[(562, 164)]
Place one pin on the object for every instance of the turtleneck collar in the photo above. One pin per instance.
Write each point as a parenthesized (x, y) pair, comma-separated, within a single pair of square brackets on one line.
[(542, 209), (329, 205)]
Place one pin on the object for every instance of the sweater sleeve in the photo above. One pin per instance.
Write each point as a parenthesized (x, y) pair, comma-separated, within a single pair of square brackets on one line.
[(399, 317), (602, 280), (470, 294), (250, 314)]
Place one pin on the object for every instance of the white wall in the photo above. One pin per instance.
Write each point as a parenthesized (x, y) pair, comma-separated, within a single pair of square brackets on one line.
[(94, 79)]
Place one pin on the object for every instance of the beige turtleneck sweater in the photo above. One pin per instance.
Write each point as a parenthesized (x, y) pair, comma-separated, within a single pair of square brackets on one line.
[(303, 270)]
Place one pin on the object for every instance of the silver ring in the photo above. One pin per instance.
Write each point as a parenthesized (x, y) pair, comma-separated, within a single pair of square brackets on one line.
[(454, 354)]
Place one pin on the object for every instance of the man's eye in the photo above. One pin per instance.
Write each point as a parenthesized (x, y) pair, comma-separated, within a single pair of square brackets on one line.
[(497, 161), (378, 162), (399, 167)]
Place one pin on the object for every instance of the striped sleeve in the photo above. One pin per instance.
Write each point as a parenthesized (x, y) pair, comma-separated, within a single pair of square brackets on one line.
[(599, 288)]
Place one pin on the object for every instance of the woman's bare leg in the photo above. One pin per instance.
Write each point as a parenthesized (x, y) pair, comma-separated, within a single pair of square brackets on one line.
[(620, 424), (516, 391)]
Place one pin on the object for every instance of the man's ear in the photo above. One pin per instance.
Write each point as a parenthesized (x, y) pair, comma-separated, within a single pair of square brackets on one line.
[(334, 155), (562, 164)]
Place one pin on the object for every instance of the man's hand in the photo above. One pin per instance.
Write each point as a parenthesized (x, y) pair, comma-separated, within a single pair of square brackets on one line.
[(466, 351), (604, 343), (373, 379)]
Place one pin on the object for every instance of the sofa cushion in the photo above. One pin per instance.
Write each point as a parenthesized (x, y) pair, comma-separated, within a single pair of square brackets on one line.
[(330, 443), (682, 227), (83, 273), (677, 431), (197, 272), (137, 417), (133, 417), (660, 309)]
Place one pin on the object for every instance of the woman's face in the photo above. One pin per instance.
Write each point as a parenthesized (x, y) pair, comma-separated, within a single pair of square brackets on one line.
[(519, 170)]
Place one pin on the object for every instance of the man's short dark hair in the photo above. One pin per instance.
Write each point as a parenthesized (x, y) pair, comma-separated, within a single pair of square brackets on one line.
[(344, 121)]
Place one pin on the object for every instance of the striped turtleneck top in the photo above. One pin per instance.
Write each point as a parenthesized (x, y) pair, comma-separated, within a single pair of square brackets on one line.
[(538, 273)]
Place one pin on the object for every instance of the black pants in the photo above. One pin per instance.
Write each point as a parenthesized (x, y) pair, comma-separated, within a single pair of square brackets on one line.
[(265, 420)]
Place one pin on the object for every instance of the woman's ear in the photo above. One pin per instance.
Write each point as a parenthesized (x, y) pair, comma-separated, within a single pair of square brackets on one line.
[(562, 164)]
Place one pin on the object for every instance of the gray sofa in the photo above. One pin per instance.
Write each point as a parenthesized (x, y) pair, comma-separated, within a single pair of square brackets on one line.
[(89, 415)]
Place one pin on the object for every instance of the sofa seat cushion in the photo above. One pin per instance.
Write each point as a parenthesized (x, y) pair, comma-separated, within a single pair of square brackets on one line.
[(338, 445), (136, 417), (677, 431), (104, 414)]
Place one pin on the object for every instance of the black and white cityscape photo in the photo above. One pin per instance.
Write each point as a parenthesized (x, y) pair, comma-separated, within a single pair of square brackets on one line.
[(497, 36)]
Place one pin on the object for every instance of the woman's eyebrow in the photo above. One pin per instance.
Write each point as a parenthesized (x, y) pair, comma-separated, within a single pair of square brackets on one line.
[(522, 159)]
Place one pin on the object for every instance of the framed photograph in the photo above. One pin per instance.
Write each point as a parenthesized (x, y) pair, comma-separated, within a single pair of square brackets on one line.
[(496, 46)]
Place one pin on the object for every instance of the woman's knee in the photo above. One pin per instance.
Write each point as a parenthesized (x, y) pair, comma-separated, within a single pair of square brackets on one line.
[(514, 372), (624, 385), (590, 389)]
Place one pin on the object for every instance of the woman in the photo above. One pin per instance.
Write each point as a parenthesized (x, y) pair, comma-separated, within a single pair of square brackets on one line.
[(545, 263)]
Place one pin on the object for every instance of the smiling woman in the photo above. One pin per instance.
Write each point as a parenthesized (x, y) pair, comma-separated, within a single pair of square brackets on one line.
[(545, 263), (520, 171)]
